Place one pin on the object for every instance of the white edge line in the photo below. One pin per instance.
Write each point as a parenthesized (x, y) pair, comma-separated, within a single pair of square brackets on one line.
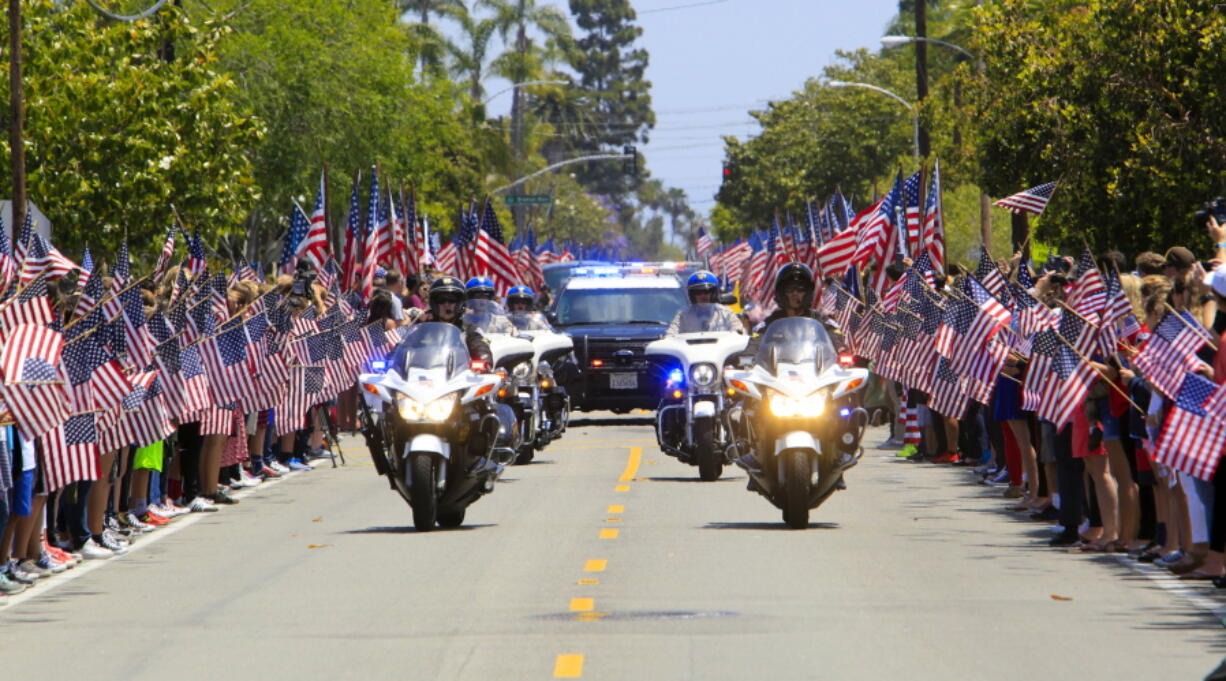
[(1181, 587), (48, 584)]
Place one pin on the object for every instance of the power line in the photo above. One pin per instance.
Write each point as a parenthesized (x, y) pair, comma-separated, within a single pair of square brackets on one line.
[(676, 7)]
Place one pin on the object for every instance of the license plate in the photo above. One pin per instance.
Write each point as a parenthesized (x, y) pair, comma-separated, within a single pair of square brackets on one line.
[(623, 381)]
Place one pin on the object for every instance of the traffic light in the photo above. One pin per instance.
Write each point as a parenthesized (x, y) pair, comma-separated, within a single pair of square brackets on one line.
[(630, 164), (727, 173)]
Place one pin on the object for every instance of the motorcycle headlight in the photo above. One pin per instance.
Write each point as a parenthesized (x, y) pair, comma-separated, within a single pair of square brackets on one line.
[(803, 407), (438, 410), (521, 370), (702, 374)]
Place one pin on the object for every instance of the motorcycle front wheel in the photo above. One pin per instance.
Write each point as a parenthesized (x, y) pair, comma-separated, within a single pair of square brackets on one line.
[(452, 519), (422, 492), (710, 461), (796, 489)]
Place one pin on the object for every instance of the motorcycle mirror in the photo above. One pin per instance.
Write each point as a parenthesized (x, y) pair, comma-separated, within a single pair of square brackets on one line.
[(728, 299)]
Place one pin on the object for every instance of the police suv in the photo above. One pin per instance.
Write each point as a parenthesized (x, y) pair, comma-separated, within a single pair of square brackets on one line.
[(612, 313)]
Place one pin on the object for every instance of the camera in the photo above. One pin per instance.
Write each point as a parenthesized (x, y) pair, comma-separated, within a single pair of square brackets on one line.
[(304, 278), (1216, 208), (1056, 263)]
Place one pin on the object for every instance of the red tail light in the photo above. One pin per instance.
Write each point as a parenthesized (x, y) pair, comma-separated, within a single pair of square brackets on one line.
[(478, 365), (598, 362), (846, 359)]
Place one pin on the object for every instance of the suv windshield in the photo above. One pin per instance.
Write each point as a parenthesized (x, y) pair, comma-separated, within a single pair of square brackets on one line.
[(796, 340), (431, 345), (619, 306)]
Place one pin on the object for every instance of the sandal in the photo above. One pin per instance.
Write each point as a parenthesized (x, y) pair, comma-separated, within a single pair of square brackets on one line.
[(1097, 547)]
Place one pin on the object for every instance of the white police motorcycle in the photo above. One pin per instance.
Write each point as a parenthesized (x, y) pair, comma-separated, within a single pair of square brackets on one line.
[(549, 400), (432, 425), (800, 424), (689, 421), (513, 356)]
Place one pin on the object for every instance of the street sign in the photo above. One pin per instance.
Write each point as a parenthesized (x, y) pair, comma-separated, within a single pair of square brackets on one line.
[(529, 200)]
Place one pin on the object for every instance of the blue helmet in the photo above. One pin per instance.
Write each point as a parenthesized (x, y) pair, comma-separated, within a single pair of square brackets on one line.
[(520, 294), (702, 281), (480, 287)]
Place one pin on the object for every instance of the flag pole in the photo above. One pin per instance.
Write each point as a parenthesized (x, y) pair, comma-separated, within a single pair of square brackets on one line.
[(1198, 331), (1098, 371)]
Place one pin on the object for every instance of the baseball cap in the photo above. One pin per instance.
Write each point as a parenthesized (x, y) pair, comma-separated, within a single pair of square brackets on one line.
[(1180, 258), (1216, 280)]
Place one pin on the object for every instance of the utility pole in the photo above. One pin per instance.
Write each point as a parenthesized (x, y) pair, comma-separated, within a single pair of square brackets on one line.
[(17, 113), (921, 68)]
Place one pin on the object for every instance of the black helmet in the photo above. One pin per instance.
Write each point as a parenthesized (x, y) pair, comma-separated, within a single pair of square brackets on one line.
[(701, 281), (794, 274), (447, 288)]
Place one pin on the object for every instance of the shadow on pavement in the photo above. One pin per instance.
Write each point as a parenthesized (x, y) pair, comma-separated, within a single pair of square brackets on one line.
[(677, 478), (408, 529), (623, 421), (766, 526)]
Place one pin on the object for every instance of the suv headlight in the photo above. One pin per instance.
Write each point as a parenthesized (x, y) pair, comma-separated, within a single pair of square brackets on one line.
[(703, 374), (811, 406), (438, 410)]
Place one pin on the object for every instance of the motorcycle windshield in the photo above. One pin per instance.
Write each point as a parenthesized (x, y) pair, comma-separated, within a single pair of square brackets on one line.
[(796, 340), (488, 316), (530, 321), (707, 317), (432, 345)]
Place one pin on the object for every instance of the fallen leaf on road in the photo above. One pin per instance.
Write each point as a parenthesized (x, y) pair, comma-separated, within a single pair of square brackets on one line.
[(294, 534), (317, 546), (315, 520), (1056, 597)]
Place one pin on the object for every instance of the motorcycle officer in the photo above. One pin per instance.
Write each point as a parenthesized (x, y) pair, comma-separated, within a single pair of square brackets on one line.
[(794, 288), (703, 290), (520, 299), (480, 288), (446, 303)]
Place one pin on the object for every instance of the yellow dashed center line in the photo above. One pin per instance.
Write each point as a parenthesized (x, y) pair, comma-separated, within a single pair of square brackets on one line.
[(595, 565), (582, 604), (608, 534), (589, 582), (616, 508), (612, 520), (568, 667), (622, 488), (632, 465)]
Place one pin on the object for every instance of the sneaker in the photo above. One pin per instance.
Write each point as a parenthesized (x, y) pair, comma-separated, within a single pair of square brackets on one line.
[(116, 543), (279, 467), (223, 498), (1066, 538), (168, 510), (248, 480), (1001, 477), (10, 587), (947, 457), (92, 550), (62, 557), (234, 485), (892, 443), (46, 561), (131, 520), (296, 464), (202, 505), (16, 574), (907, 451), (320, 453), (1169, 559), (268, 473), (32, 567), (151, 518)]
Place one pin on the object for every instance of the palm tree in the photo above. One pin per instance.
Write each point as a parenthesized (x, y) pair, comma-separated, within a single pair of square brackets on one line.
[(433, 44), (468, 60)]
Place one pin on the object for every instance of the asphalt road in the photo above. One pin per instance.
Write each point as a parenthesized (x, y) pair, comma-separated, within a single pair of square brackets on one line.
[(605, 559)]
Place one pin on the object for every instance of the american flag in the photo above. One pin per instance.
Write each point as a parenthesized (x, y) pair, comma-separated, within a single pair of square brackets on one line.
[(960, 313), (42, 259), (33, 389), (30, 306), (734, 259), (446, 259), (839, 211), (876, 234), (121, 276), (1088, 292), (1169, 353), (933, 238), (989, 275), (490, 240), (912, 192), (704, 244), (196, 260), (400, 241), (70, 452), (314, 246), (298, 226), (1194, 435), (138, 341), (526, 262), (217, 297), (983, 368), (24, 236), (1044, 346), (8, 266), (948, 392), (354, 239), (227, 364), (168, 253), (86, 272), (759, 270), (306, 389), (96, 381), (142, 419), (837, 253), (1065, 386), (1033, 200)]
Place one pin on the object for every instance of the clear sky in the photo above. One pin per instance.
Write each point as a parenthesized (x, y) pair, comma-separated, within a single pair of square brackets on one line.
[(714, 60)]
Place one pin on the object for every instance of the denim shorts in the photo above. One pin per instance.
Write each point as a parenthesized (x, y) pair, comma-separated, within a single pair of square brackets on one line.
[(1113, 427), (21, 496)]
